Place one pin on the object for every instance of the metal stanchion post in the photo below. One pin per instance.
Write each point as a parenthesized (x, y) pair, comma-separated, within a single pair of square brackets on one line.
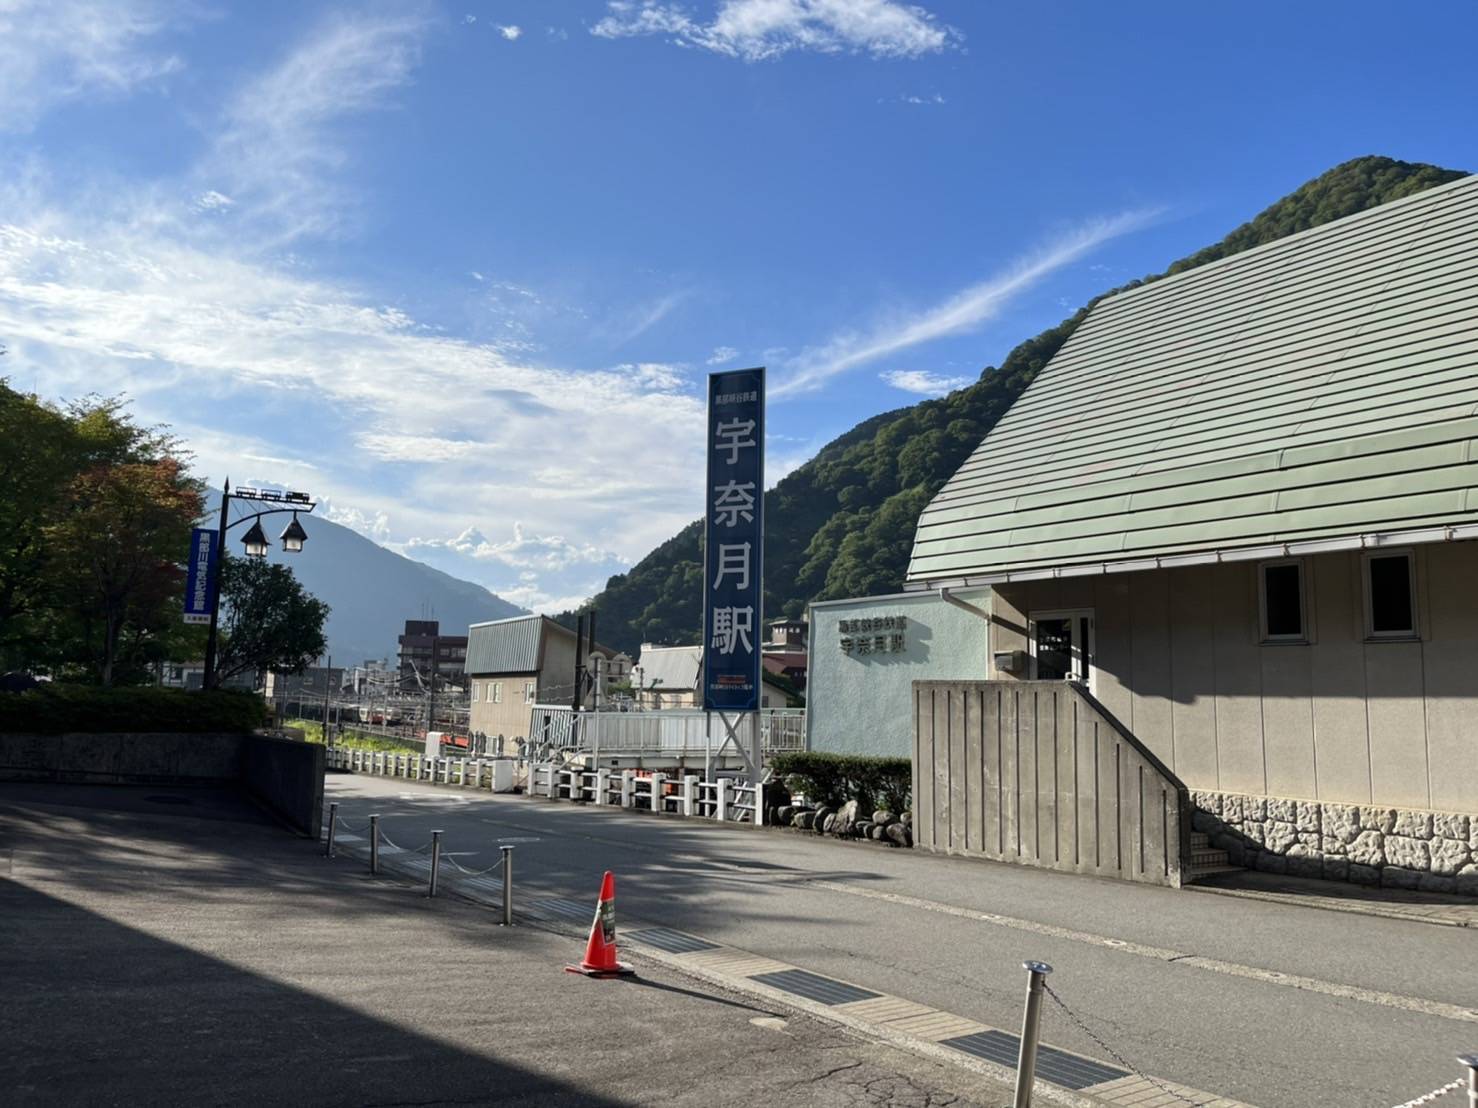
[(333, 818), (435, 860), (1026, 1062), (1471, 1061), (374, 844), (507, 885)]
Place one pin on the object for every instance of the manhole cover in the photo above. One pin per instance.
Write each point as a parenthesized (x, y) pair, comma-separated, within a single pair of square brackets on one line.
[(168, 799)]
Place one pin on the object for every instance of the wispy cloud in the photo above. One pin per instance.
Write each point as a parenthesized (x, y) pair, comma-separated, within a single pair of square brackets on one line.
[(277, 151), (647, 316), (962, 312), (722, 354), (758, 30), (922, 382), (53, 51), (510, 31)]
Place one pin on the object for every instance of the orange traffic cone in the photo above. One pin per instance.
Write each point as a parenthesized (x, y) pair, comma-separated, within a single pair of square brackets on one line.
[(600, 951)]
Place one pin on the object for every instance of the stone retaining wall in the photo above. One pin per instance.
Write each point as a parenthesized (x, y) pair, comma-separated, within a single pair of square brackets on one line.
[(1370, 845)]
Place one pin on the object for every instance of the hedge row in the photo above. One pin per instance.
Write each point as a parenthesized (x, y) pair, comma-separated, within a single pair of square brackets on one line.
[(56, 709), (834, 779)]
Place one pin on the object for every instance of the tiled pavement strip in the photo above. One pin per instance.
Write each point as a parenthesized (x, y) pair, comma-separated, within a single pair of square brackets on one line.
[(1062, 1076)]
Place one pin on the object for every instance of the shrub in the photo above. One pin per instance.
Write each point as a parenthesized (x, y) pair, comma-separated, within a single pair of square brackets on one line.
[(54, 709), (834, 779)]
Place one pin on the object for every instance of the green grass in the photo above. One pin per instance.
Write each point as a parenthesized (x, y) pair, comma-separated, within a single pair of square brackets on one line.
[(349, 739)]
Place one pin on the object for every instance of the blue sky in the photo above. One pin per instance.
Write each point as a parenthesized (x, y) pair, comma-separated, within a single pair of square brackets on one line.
[(459, 268)]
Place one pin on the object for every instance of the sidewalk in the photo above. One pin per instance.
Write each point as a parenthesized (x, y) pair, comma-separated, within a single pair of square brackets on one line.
[(155, 958), (1341, 896)]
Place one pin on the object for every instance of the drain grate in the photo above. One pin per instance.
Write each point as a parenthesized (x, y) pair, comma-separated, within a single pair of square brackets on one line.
[(562, 909), (674, 942), (1056, 1066), (813, 986)]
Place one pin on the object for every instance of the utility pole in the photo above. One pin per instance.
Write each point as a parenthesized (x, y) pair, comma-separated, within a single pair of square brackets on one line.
[(328, 680)]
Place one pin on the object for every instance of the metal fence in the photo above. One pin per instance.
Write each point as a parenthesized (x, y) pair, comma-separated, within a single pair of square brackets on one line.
[(672, 731)]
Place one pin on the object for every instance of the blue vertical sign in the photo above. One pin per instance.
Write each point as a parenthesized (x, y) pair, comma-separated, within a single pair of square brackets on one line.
[(200, 575), (733, 576)]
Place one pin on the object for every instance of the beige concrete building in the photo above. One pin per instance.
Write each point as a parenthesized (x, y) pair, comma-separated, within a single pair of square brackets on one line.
[(1239, 510), (513, 664)]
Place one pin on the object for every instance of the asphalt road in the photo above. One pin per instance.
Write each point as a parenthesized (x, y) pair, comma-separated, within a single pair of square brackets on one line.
[(1268, 1003)]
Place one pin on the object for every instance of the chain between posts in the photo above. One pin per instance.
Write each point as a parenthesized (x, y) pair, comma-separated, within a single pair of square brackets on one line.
[(1435, 1094), (1112, 1053)]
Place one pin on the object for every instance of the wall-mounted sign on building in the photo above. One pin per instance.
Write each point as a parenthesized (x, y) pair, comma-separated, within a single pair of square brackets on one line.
[(200, 575), (733, 574), (874, 635)]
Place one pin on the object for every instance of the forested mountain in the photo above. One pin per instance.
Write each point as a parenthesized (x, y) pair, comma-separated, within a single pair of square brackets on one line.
[(843, 523)]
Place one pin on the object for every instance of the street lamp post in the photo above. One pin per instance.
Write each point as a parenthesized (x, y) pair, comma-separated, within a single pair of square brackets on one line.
[(255, 541)]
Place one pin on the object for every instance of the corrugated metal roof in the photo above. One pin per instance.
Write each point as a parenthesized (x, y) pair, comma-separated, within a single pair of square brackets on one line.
[(505, 645), (1319, 386), (670, 667)]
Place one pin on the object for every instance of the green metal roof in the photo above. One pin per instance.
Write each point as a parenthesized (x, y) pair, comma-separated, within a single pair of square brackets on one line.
[(1321, 386)]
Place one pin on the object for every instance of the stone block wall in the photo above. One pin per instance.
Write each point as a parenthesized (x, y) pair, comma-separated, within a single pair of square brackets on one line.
[(1395, 847)]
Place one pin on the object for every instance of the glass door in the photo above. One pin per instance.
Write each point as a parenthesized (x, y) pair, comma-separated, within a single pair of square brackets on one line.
[(1062, 646)]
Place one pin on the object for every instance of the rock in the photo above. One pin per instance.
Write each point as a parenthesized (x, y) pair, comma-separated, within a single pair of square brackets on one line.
[(830, 826), (1448, 856), (819, 824), (1340, 822), (1364, 875), (1208, 802), (1233, 809), (1413, 825), (1269, 862), (885, 817), (899, 833), (1306, 866), (1431, 883), (803, 820), (1285, 811), (907, 817), (1446, 826), (1396, 877), (1467, 880), (1336, 869), (1307, 817), (784, 813), (1204, 821), (1309, 839), (1279, 835), (1254, 832), (1377, 819), (1367, 849), (861, 828), (1407, 853), (846, 816), (1473, 835), (879, 831), (1256, 808)]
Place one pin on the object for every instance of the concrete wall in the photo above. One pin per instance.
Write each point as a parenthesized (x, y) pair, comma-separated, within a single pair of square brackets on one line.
[(284, 776), (1338, 719), (863, 704)]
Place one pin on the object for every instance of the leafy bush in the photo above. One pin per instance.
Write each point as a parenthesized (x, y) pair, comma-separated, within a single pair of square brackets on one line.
[(834, 779), (55, 709)]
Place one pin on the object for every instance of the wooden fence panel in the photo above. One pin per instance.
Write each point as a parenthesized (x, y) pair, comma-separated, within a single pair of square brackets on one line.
[(1038, 772)]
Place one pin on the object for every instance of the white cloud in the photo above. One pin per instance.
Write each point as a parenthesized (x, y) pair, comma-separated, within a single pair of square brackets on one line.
[(962, 312), (647, 316), (522, 551), (722, 354), (469, 18), (277, 147), (53, 51), (511, 32), (212, 201), (923, 382), (558, 33), (757, 30), (909, 98)]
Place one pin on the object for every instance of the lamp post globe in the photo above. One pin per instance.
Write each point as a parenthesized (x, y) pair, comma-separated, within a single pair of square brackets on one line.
[(293, 536), (255, 541)]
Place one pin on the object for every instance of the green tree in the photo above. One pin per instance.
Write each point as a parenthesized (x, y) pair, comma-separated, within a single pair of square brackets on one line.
[(268, 620)]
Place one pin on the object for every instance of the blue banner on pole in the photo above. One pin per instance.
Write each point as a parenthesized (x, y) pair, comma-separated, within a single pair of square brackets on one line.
[(733, 577), (200, 575)]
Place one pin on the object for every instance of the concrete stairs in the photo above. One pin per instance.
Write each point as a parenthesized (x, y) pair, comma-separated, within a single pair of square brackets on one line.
[(1207, 860)]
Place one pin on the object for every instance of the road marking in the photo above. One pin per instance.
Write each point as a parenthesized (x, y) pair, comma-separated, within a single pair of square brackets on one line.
[(1163, 954)]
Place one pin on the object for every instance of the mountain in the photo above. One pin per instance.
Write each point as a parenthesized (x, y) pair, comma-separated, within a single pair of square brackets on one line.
[(843, 523), (371, 591)]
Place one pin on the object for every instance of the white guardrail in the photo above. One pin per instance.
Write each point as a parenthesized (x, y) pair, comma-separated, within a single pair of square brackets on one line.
[(728, 799), (671, 731)]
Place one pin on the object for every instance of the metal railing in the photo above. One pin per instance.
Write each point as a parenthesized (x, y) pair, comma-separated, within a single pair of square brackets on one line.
[(671, 731)]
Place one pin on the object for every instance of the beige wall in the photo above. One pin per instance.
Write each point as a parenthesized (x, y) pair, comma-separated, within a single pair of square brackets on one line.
[(509, 718), (1179, 661)]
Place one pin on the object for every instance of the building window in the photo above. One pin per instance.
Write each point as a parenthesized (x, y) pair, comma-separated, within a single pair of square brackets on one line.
[(495, 692), (1284, 612), (1390, 595), (528, 692), (474, 691)]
